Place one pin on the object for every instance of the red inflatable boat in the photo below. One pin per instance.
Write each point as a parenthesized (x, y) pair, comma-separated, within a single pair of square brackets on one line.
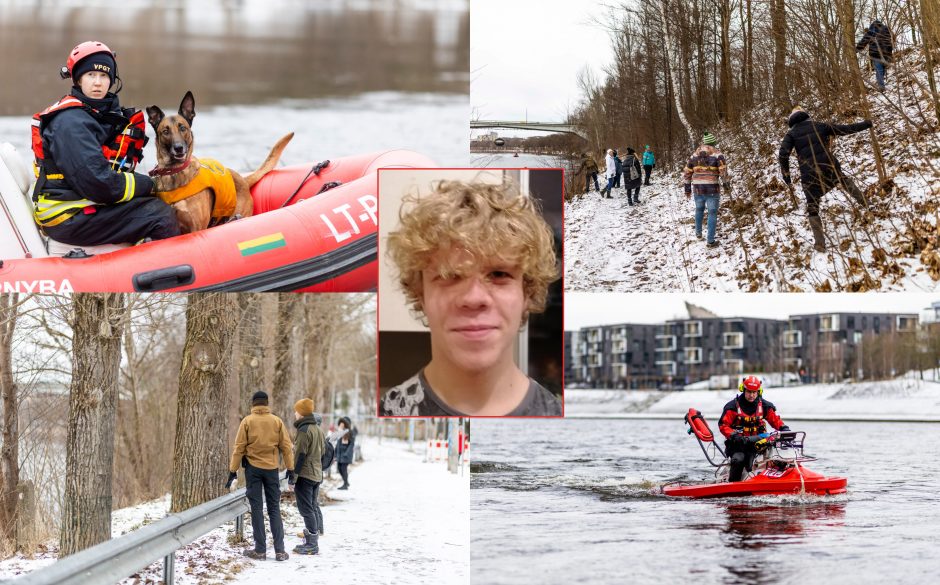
[(314, 230), (778, 470)]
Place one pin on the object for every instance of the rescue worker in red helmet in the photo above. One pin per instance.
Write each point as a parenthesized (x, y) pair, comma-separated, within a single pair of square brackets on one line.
[(742, 420), (86, 147)]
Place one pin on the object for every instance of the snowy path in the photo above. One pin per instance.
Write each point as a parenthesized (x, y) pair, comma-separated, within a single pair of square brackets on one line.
[(401, 521), (650, 247)]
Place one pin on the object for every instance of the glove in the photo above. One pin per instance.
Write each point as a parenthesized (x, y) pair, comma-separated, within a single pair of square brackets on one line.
[(291, 477), (784, 428), (231, 479), (868, 123)]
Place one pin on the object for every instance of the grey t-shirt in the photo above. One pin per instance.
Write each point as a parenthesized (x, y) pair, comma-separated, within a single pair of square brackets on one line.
[(415, 397)]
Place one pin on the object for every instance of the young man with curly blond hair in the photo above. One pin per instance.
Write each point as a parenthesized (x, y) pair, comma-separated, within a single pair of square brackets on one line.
[(474, 261)]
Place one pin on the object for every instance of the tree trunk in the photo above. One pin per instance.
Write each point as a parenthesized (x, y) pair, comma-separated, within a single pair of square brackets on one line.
[(846, 11), (98, 322), (930, 36), (9, 451), (670, 53), (251, 354), (200, 457), (285, 367), (727, 89), (778, 28)]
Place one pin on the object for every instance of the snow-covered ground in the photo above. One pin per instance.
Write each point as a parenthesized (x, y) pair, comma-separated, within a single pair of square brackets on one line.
[(765, 240), (901, 399), (401, 521)]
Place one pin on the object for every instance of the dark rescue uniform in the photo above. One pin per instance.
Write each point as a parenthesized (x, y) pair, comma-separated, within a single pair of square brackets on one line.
[(81, 197), (750, 418)]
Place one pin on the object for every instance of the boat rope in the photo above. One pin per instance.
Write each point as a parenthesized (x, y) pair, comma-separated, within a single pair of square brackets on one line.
[(315, 170)]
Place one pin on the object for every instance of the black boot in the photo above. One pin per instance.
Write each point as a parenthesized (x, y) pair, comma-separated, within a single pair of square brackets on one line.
[(310, 545), (819, 238)]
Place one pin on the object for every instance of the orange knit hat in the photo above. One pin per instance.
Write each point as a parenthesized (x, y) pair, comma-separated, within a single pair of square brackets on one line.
[(304, 407)]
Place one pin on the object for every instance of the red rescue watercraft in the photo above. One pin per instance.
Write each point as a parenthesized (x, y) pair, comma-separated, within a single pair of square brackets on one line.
[(778, 469)]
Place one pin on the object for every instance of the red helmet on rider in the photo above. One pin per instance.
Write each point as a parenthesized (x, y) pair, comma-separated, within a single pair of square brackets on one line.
[(751, 384), (84, 50)]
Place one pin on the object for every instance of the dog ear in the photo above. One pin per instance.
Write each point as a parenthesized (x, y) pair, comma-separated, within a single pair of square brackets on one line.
[(155, 116), (188, 107)]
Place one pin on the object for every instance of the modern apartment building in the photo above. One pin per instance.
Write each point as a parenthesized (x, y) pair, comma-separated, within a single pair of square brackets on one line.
[(683, 351)]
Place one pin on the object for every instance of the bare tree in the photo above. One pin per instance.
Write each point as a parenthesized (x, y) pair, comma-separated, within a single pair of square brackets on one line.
[(251, 351), (200, 457), (98, 323), (9, 451), (286, 373)]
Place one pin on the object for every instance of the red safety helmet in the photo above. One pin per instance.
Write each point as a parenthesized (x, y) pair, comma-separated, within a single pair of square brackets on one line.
[(752, 384), (81, 51)]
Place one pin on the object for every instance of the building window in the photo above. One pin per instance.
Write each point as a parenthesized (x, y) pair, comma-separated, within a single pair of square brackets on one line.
[(666, 368), (907, 323), (851, 323), (793, 338), (831, 323), (692, 329), (665, 343), (693, 355), (733, 341)]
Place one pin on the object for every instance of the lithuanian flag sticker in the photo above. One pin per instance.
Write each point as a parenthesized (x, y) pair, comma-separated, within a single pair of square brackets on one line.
[(262, 244)]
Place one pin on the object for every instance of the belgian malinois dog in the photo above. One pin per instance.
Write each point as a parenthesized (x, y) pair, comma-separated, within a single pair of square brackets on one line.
[(176, 168)]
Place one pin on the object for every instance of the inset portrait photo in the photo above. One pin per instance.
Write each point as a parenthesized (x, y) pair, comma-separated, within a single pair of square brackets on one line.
[(470, 292)]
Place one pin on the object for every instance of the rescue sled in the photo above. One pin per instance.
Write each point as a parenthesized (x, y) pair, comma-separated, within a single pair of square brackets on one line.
[(777, 470), (314, 229)]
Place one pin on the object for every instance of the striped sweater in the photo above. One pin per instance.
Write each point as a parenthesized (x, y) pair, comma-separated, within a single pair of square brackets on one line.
[(703, 170)]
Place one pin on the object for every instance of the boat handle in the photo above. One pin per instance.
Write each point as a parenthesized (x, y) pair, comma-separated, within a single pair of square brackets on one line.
[(164, 278)]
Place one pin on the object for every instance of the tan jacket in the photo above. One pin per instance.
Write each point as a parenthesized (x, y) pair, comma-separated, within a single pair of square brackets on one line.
[(260, 436)]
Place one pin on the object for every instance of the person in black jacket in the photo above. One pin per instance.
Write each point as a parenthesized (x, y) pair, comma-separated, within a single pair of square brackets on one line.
[(820, 172), (880, 48), (345, 450), (618, 162), (632, 176), (81, 197)]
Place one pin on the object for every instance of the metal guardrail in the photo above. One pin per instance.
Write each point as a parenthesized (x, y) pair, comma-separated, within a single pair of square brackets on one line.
[(115, 559)]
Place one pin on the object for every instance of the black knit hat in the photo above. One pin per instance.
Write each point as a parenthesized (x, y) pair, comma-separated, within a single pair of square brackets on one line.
[(259, 398), (94, 62)]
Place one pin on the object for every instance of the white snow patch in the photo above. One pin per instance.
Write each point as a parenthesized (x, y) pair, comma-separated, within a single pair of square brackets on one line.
[(401, 521)]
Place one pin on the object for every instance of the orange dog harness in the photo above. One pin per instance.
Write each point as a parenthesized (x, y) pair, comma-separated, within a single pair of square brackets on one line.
[(212, 175)]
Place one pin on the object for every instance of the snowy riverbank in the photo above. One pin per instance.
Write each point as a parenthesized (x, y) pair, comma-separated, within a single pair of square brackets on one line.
[(401, 521), (892, 400)]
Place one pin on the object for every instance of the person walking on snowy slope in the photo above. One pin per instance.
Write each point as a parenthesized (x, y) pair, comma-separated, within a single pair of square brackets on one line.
[(880, 48), (610, 173), (589, 167), (632, 176), (619, 164), (649, 161), (820, 172), (703, 175)]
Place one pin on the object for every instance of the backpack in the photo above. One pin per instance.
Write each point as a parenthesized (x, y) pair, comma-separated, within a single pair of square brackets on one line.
[(329, 454), (634, 173)]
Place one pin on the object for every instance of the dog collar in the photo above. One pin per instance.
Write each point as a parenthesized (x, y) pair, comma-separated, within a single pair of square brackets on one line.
[(169, 170)]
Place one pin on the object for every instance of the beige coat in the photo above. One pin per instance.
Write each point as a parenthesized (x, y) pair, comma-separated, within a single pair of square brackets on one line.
[(260, 436)]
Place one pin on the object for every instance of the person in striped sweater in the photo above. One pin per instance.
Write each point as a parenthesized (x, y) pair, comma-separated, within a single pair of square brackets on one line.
[(703, 175)]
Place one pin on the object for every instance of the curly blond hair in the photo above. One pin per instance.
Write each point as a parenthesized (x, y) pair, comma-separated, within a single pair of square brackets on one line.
[(487, 221)]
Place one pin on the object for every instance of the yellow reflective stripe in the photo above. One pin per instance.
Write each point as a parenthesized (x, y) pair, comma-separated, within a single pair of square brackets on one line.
[(57, 220), (46, 209), (129, 183)]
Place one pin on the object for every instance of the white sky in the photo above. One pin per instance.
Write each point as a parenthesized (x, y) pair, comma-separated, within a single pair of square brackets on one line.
[(589, 309), (526, 55)]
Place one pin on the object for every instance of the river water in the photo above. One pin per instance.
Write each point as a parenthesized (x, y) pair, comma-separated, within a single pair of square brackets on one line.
[(524, 160), (347, 76), (576, 501)]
